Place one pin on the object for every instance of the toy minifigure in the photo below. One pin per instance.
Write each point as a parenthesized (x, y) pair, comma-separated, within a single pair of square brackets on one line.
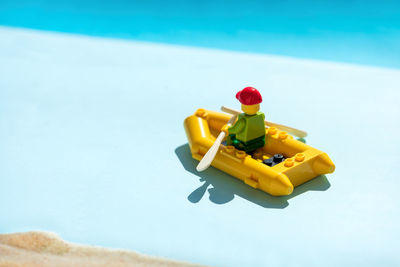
[(248, 133)]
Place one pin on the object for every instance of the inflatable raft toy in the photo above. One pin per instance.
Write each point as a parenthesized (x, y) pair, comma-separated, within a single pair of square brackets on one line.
[(282, 164)]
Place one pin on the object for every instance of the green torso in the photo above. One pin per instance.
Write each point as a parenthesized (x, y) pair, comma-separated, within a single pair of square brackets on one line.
[(248, 127)]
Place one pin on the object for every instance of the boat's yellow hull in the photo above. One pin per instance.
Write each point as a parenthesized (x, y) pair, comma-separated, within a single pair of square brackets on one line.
[(302, 163)]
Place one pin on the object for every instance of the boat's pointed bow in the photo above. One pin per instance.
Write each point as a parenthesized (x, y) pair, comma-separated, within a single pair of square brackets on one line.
[(323, 164), (280, 186)]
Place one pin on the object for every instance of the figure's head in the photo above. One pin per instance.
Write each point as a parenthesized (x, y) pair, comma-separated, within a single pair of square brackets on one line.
[(250, 98), (250, 109)]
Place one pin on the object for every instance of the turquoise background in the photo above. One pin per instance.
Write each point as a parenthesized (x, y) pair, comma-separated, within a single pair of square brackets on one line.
[(92, 145), (363, 32)]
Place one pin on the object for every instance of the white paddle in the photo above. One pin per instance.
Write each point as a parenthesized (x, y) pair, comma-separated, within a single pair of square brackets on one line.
[(294, 131), (205, 162)]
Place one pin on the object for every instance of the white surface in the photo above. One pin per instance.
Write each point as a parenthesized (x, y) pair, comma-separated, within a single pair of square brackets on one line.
[(91, 148)]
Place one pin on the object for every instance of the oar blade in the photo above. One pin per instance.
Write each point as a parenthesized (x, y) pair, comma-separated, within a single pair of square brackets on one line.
[(205, 162)]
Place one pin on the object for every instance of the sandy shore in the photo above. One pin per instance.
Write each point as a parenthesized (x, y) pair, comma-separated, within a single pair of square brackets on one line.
[(47, 249)]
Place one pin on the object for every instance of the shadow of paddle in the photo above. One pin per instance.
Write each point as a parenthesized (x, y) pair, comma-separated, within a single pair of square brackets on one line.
[(225, 187)]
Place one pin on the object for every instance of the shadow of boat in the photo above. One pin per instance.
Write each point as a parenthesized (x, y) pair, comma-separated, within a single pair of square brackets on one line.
[(225, 187)]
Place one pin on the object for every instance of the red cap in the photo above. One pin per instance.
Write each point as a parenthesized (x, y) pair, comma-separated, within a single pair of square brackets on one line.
[(249, 96)]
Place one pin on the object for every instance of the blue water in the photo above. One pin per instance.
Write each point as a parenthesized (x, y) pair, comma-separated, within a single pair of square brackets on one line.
[(362, 32)]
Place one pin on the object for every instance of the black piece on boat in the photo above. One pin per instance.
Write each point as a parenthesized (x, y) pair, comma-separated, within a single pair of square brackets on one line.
[(276, 159)]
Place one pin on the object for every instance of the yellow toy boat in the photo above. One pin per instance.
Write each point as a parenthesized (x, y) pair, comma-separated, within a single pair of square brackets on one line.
[(301, 162)]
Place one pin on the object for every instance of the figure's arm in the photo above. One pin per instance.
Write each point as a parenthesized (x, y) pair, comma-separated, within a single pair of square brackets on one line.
[(237, 127)]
